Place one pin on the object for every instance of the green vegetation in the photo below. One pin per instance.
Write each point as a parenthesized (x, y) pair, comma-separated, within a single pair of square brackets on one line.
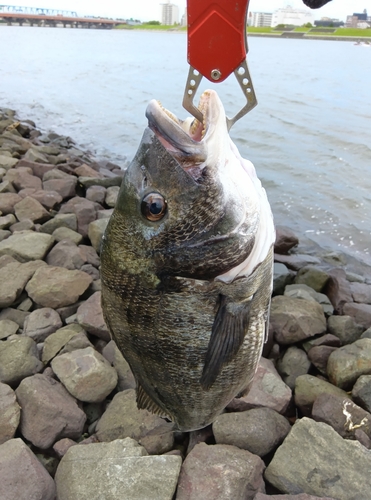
[(310, 31), (151, 26)]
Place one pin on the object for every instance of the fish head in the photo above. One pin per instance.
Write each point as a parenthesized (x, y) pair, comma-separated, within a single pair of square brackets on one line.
[(188, 204)]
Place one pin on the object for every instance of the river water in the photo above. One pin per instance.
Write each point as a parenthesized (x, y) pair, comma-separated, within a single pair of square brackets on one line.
[(309, 137)]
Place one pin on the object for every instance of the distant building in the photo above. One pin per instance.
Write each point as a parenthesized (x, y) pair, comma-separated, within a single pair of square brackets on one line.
[(328, 22), (358, 20), (183, 20), (258, 19), (170, 14), (293, 17)]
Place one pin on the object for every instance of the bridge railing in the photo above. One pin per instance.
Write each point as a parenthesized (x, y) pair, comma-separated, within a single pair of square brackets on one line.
[(9, 9)]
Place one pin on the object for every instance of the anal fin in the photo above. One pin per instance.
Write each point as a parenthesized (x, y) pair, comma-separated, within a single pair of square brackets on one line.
[(145, 402), (227, 335)]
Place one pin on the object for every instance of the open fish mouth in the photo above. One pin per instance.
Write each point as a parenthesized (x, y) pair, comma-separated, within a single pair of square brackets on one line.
[(187, 138)]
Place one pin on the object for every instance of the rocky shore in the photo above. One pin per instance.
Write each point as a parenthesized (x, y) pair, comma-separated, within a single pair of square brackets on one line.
[(69, 426)]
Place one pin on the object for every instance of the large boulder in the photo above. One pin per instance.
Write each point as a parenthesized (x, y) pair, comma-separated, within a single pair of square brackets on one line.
[(86, 374), (314, 459), (220, 472), (119, 469), (10, 413), (57, 287), (49, 412), (22, 477), (27, 245)]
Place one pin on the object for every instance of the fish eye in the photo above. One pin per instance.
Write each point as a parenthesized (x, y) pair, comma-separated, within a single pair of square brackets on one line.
[(153, 207)]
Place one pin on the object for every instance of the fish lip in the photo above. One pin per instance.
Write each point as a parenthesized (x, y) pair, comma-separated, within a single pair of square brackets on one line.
[(171, 131)]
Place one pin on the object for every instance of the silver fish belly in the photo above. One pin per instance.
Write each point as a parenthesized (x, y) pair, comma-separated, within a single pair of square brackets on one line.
[(186, 267)]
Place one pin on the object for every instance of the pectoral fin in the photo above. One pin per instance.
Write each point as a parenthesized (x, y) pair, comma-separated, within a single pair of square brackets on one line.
[(227, 334)]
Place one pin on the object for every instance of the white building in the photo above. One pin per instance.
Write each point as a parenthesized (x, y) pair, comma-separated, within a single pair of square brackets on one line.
[(170, 14), (260, 19), (288, 15)]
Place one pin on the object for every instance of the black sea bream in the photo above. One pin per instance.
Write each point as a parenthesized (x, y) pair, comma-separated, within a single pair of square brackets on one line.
[(187, 263)]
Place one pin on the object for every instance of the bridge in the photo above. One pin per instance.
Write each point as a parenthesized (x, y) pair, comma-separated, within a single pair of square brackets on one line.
[(37, 16)]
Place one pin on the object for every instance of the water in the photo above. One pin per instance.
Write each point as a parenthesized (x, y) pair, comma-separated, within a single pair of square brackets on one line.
[(309, 137)]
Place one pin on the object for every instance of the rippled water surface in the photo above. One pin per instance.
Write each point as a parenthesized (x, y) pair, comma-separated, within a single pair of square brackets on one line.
[(309, 137)]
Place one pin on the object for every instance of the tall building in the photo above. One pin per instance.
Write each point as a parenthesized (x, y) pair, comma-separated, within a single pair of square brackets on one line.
[(170, 14), (260, 19), (358, 19), (294, 17)]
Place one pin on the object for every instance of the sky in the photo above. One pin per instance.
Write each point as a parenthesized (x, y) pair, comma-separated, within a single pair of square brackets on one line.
[(147, 10)]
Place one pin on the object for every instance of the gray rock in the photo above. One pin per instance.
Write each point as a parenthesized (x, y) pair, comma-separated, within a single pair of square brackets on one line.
[(57, 287), (125, 376), (48, 199), (56, 341), (91, 181), (65, 187), (220, 472), (96, 193), (311, 460), (7, 162), (6, 221), (267, 389), (345, 328), (361, 292), (120, 469), (319, 356), (366, 334), (313, 277), (13, 278), (302, 291), (111, 196), (7, 328), (35, 156), (90, 317), (96, 231), (7, 202), (79, 341), (93, 272), (49, 412), (296, 319), (360, 312), (41, 323), (65, 233), (22, 476), (342, 414), (85, 210), (123, 419), (62, 446), (25, 225), (296, 261), (60, 220), (65, 254), (338, 290), (348, 363), (80, 370), (18, 359), (282, 277), (10, 413), (31, 209), (285, 240), (89, 255), (26, 246), (14, 315), (308, 388), (301, 496), (293, 363), (361, 392), (259, 430)]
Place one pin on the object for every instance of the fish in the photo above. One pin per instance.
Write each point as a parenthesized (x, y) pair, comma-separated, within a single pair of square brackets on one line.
[(186, 267)]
